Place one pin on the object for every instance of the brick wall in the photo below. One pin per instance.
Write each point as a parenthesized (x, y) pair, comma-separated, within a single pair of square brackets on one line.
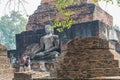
[(83, 13), (87, 58), (6, 70)]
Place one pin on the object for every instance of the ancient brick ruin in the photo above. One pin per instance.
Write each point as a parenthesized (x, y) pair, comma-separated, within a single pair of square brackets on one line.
[(83, 13), (92, 55), (86, 15), (6, 70), (88, 58)]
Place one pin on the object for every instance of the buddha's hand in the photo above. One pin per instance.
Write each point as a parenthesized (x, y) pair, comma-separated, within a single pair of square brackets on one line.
[(32, 56), (41, 53)]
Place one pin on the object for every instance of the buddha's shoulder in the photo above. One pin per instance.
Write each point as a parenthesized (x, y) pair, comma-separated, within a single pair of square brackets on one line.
[(56, 36), (50, 36)]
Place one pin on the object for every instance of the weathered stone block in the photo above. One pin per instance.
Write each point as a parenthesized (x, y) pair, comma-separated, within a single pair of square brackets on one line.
[(26, 41), (22, 76), (87, 29)]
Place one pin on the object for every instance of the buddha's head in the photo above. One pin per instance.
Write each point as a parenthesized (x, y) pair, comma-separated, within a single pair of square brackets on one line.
[(48, 29)]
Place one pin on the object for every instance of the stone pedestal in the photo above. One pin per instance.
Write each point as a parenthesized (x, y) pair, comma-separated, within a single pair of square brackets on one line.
[(22, 76), (6, 70), (30, 75), (87, 58)]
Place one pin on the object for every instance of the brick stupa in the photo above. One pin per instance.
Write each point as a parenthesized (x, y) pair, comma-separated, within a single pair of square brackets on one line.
[(86, 11), (93, 55)]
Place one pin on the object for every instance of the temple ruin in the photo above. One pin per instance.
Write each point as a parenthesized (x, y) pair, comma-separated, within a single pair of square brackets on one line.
[(89, 49)]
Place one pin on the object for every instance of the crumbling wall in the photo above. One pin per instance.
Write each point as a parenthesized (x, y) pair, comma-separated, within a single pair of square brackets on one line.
[(6, 70), (88, 58)]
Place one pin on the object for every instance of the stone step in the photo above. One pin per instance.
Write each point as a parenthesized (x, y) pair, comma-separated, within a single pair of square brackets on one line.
[(88, 73), (30, 76), (22, 76), (41, 75), (96, 78), (88, 57), (90, 54), (106, 78), (88, 43), (99, 72), (88, 64)]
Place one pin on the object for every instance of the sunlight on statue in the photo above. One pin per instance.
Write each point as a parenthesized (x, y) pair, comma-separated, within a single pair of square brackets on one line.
[(49, 45)]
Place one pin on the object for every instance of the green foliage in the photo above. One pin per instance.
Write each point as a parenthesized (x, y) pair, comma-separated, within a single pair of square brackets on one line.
[(60, 25), (60, 5), (9, 26), (118, 2)]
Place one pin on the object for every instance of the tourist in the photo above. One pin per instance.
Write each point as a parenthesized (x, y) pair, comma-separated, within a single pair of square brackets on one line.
[(24, 63), (27, 65)]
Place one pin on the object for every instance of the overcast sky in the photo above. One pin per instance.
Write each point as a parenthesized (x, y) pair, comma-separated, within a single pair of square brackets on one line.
[(32, 5), (113, 10)]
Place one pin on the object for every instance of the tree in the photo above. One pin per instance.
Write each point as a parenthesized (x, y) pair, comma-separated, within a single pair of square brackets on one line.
[(15, 5), (9, 26)]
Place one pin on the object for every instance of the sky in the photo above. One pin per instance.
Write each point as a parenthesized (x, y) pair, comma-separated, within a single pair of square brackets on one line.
[(113, 10), (32, 5)]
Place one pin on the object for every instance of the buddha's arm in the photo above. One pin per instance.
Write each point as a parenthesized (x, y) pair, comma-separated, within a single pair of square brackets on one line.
[(55, 47), (41, 47)]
